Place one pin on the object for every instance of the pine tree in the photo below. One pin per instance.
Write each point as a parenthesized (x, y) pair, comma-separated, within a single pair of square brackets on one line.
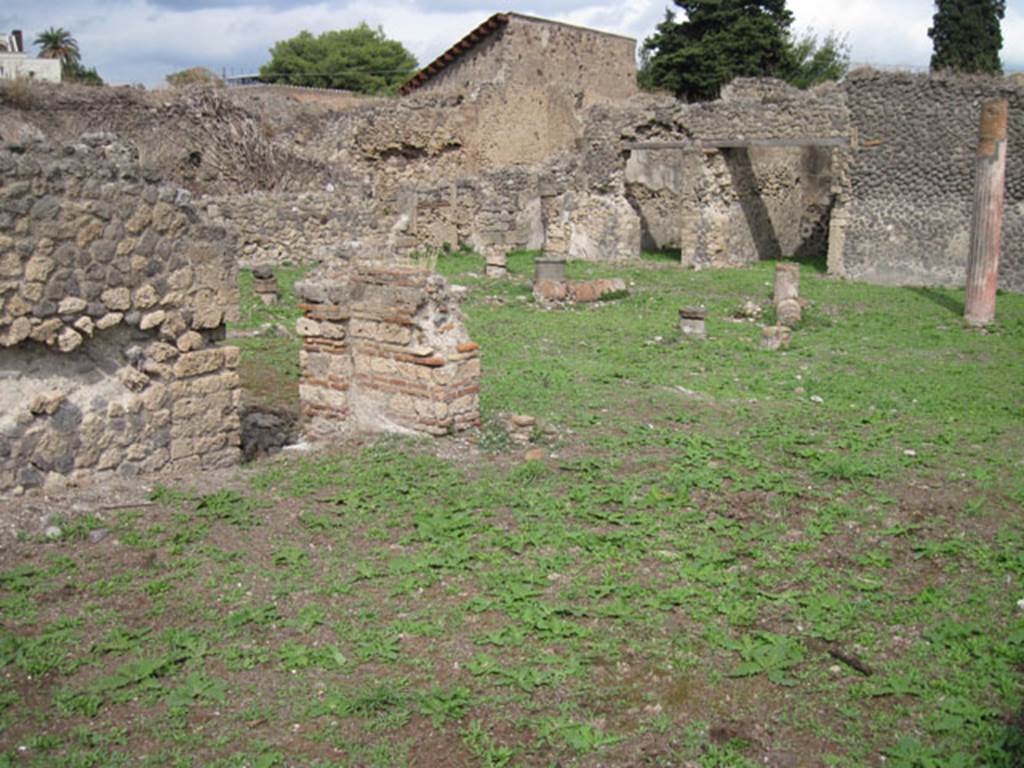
[(719, 40), (813, 61), (358, 59), (966, 35)]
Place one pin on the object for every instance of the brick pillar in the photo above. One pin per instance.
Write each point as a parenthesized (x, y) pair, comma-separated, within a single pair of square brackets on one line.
[(325, 359), (386, 352)]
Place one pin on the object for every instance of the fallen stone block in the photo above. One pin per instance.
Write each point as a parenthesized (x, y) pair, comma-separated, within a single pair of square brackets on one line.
[(776, 337), (692, 322)]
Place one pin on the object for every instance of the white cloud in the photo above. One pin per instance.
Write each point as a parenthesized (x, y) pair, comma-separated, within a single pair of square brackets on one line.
[(141, 41), (878, 31), (1013, 40)]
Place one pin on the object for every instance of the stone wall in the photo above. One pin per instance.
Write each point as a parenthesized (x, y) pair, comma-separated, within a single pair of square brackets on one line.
[(750, 176), (662, 185), (615, 179), (760, 203), (496, 211), (385, 350), (452, 135), (426, 171), (765, 108), (113, 296), (639, 177), (207, 140), (530, 53), (304, 228), (592, 227), (907, 214), (506, 167)]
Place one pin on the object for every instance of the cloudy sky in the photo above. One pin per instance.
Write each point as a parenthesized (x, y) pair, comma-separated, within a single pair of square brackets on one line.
[(140, 41)]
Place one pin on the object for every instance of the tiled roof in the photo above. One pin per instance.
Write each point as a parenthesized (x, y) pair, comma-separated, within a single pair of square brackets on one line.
[(453, 54)]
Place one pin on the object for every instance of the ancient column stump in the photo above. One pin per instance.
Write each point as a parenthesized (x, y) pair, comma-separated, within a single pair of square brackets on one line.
[(787, 293), (496, 264), (264, 284)]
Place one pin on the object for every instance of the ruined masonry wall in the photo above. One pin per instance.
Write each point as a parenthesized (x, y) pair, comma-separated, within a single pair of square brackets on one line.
[(760, 203), (113, 295), (718, 206), (661, 185), (306, 228), (763, 202), (384, 350), (497, 212), (907, 217)]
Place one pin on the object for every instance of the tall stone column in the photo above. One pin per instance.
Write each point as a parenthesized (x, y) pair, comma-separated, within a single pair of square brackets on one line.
[(987, 219)]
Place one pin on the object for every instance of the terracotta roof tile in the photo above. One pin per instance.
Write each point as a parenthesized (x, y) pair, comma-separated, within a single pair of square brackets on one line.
[(466, 44)]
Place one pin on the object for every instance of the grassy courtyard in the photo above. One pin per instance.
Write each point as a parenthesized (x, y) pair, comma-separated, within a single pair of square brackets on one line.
[(727, 556)]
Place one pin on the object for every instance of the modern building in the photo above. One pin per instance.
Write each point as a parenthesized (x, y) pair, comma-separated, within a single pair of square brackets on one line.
[(15, 63)]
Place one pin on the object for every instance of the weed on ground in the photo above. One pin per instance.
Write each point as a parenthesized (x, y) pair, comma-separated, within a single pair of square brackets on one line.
[(727, 557), (270, 347)]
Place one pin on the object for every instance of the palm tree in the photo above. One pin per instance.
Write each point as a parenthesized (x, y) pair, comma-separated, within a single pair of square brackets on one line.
[(57, 43)]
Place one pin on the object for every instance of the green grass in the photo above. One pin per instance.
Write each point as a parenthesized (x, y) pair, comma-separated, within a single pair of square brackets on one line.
[(269, 367), (692, 576)]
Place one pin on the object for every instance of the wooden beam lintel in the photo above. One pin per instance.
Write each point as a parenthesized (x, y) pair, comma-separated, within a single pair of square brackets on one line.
[(705, 144)]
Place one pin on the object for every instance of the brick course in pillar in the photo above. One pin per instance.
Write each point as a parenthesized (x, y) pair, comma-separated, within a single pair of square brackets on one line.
[(384, 349)]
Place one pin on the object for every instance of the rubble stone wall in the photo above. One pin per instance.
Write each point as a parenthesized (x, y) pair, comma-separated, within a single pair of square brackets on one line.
[(113, 296), (506, 167), (385, 350), (592, 227), (719, 206), (429, 170), (662, 185), (907, 214), (760, 203), (497, 211), (297, 228)]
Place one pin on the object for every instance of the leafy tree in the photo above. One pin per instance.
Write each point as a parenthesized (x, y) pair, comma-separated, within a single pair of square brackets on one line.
[(57, 43), (77, 73), (358, 59), (811, 63), (719, 40), (192, 76), (966, 35)]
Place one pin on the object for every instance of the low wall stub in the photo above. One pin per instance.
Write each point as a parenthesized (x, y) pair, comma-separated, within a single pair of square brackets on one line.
[(385, 350)]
